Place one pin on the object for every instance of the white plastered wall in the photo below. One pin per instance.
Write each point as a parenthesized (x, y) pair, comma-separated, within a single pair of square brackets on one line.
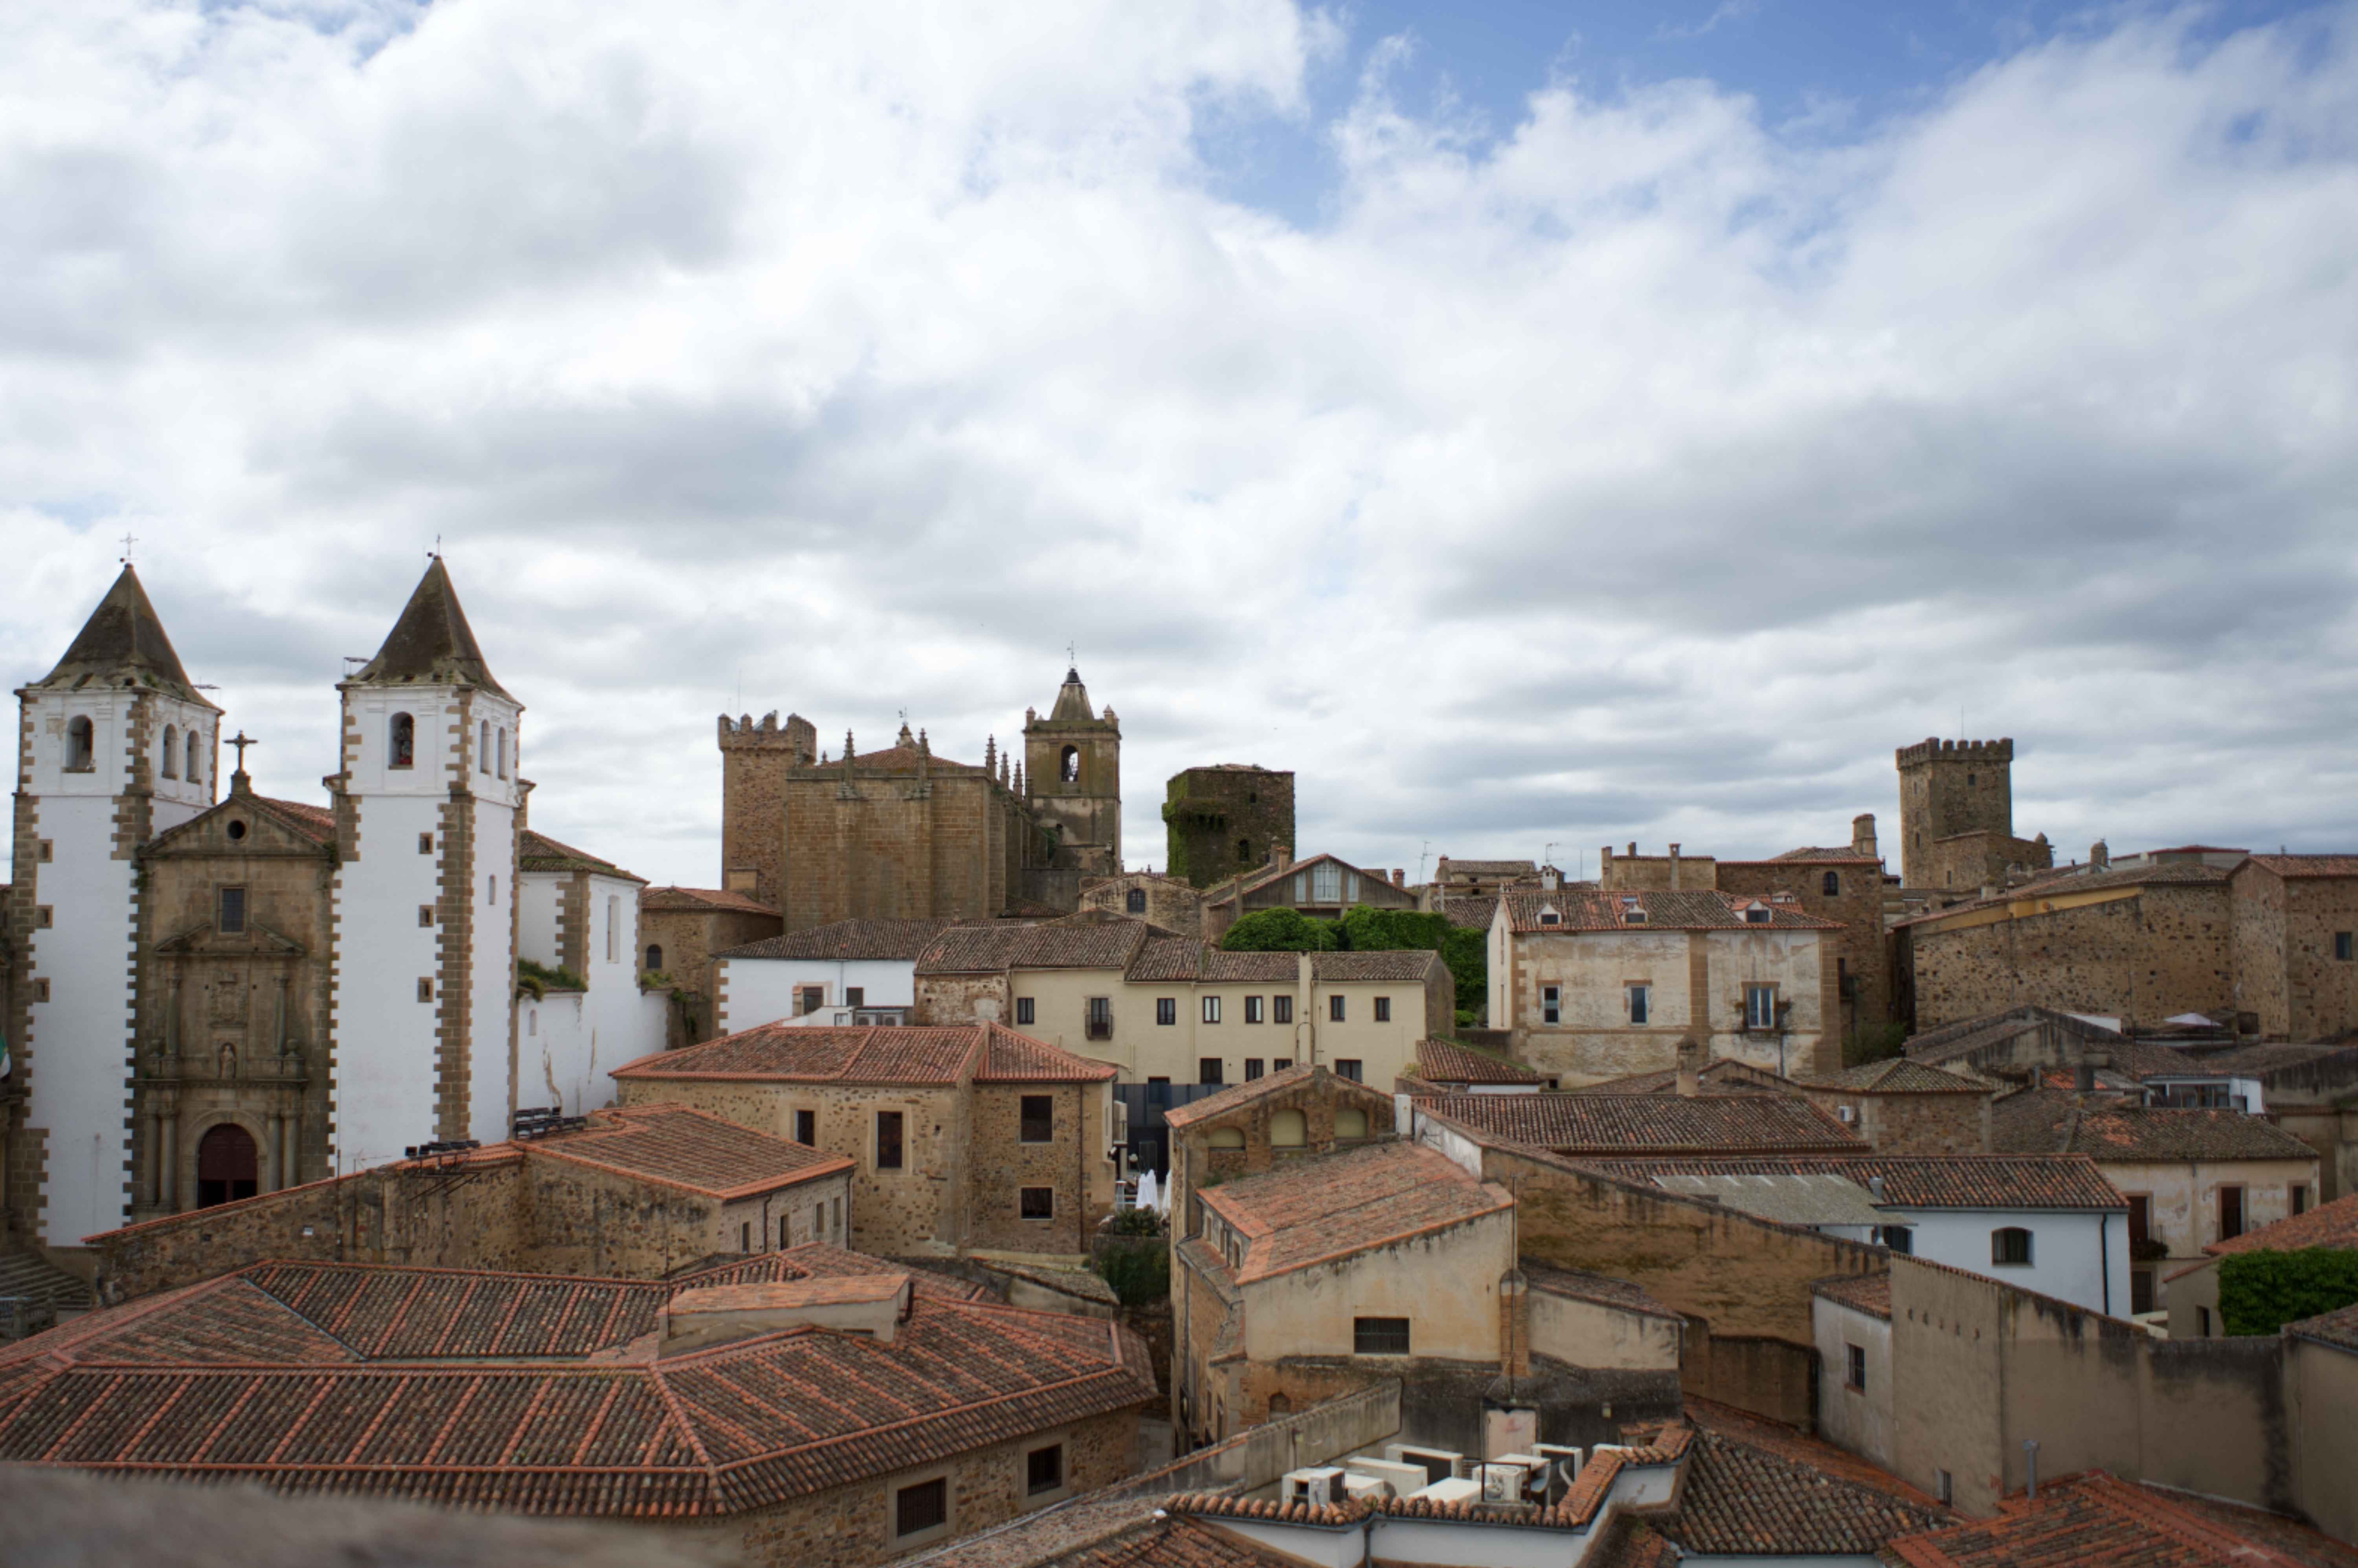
[(2075, 1255), (761, 990), (491, 1044)]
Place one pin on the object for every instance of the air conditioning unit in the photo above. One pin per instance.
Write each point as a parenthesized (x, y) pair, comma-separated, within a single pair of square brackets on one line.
[(1503, 1481), (1564, 1467), (1440, 1463), (1365, 1489), (1451, 1490), (1401, 1479), (1536, 1473), (1317, 1487)]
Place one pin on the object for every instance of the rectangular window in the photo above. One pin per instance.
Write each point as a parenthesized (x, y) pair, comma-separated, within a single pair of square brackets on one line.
[(1347, 1067), (836, 1209), (1761, 1007), (921, 1507), (1857, 1378), (785, 1237), (2140, 1219), (1024, 1012), (492, 897), (424, 990), (1383, 1009), (1326, 882), (1252, 1009), (1036, 1203), (1099, 1011), (1211, 1009), (1944, 1486), (2231, 1213), (888, 1140), (1039, 1120), (2141, 1289), (233, 911), (1208, 1070), (1550, 1004), (44, 917), (1281, 1010), (1166, 1010), (2342, 946), (1334, 1009), (2297, 1198), (425, 843), (2203, 1321), (818, 1222), (809, 1000), (806, 1127), (2010, 1244), (613, 930), (745, 1237), (1278, 1064), (41, 990), (854, 995), (1043, 1469), (425, 916), (1641, 999), (1252, 1068), (1379, 1337)]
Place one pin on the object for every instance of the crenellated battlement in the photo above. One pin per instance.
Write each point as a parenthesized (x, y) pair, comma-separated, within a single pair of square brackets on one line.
[(1934, 750), (797, 737)]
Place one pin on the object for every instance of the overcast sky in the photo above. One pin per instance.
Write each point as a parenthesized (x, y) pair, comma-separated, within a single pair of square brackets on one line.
[(1530, 424)]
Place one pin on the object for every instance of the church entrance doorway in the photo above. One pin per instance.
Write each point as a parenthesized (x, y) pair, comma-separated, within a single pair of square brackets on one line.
[(227, 1169)]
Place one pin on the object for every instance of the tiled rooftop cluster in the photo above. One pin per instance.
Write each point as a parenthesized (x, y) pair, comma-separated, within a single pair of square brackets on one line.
[(1309, 1213), (987, 1052), (1637, 1124)]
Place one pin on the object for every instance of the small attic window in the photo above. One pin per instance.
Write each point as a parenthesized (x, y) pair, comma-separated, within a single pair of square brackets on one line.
[(236, 829), (1632, 913), (1757, 914), (1136, 900), (1548, 917)]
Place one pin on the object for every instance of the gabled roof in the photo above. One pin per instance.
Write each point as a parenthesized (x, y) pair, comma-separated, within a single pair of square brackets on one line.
[(1639, 1124), (1579, 1284), (1104, 943), (861, 941), (123, 644), (1785, 1196), (1447, 1061), (1471, 913), (2335, 1328), (1664, 909), (680, 1146), (2058, 1121), (539, 1393), (1914, 1181), (1253, 1090), (703, 900), (1741, 1500), (2093, 1517), (1720, 1075), (1244, 882), (1869, 1294), (312, 824), (536, 851), (1896, 1075), (2307, 865), (1952, 1041), (2328, 1224), (1406, 964), (1493, 868), (776, 1053), (431, 643), (1317, 1211)]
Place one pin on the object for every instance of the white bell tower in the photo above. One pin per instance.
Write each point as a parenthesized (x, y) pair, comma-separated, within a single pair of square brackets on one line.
[(424, 971), (115, 746)]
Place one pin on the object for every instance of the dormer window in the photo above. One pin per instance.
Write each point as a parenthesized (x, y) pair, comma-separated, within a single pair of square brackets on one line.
[(401, 744), (1632, 913), (1548, 917), (1757, 914), (82, 747), (171, 752)]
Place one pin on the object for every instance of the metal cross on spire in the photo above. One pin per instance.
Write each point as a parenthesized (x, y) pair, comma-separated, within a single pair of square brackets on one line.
[(241, 742), (129, 539)]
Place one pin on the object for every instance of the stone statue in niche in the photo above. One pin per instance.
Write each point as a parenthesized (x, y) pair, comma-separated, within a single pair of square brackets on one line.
[(228, 1062)]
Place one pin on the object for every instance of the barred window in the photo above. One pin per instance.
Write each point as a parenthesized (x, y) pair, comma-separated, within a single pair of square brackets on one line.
[(1379, 1337)]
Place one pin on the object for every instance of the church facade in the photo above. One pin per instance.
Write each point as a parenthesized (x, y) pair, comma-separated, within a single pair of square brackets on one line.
[(902, 834), (214, 994)]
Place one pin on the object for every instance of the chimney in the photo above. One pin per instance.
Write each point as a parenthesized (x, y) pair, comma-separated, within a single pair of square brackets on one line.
[(1281, 855), (1675, 865), (1690, 1066), (1861, 835), (1633, 848), (1400, 876), (1550, 879), (2100, 856)]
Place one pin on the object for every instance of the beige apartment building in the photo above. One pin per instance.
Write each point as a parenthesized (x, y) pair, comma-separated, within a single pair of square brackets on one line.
[(1159, 1007)]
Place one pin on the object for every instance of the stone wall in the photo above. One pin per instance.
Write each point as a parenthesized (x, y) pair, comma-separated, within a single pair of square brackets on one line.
[(1861, 949), (689, 938), (1072, 1167), (1170, 903), (2286, 969), (1206, 812), (1948, 787), (2141, 954), (1911, 1124)]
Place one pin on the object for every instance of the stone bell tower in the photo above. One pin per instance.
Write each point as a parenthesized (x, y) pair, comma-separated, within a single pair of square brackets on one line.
[(1072, 770)]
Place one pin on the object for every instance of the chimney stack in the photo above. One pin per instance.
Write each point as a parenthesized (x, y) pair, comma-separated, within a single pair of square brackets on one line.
[(1400, 876), (1281, 855), (1550, 879), (1861, 835), (1690, 1066), (1675, 865)]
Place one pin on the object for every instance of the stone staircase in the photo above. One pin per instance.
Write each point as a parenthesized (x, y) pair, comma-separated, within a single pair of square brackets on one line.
[(35, 1294)]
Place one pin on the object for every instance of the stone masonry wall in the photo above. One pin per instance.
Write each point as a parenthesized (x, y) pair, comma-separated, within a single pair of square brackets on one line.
[(1207, 810), (1861, 949), (1912, 1124), (2166, 950), (1003, 1164), (1951, 787)]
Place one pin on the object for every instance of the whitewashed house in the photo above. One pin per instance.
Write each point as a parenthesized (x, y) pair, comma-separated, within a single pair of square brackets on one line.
[(579, 915), (853, 971)]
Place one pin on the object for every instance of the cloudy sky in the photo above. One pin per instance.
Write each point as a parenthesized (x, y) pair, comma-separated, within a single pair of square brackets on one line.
[(1531, 424)]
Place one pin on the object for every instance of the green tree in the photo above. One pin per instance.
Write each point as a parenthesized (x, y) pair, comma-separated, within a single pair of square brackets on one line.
[(1466, 952), (1282, 931), (2259, 1292)]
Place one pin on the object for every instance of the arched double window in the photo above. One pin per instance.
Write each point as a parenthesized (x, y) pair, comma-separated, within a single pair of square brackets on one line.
[(82, 746), (171, 752), (401, 748)]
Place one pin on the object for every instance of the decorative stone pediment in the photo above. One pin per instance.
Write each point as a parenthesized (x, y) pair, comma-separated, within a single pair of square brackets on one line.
[(256, 941)]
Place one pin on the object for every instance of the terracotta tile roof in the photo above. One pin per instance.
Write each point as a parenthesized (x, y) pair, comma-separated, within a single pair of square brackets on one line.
[(874, 941), (1840, 854), (1898, 1076), (702, 899), (1447, 1061), (2039, 1122), (1223, 968), (1318, 1210), (2309, 1548), (2063, 883), (1245, 1093), (1722, 1076), (815, 1260), (1665, 909), (1637, 1124), (1581, 1285), (1917, 1181), (988, 949), (881, 1054), (2338, 1328), (1175, 1541), (2328, 1224), (2308, 865), (839, 1290), (1869, 1294), (681, 1147), (1741, 1500), (1176, 959), (536, 851), (2088, 1521), (317, 822), (1409, 964), (1495, 868), (527, 1393), (1471, 913)]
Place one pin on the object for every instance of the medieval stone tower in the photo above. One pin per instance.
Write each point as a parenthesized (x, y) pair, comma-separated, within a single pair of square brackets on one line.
[(1962, 792), (112, 746), (1072, 762), (756, 762), (426, 808), (1219, 820)]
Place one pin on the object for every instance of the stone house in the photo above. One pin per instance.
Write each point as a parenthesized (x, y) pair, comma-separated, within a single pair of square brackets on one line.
[(1904, 1107), (1164, 901), (578, 911), (1224, 820), (853, 971), (2193, 1288), (971, 1140), (1161, 1007), (2191, 1177), (1323, 887), (1590, 985), (1295, 1113), (1482, 879), (635, 1192), (686, 928), (1593, 1126), (2296, 959), (806, 1406)]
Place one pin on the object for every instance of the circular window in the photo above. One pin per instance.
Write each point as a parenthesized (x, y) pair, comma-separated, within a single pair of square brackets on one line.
[(236, 829)]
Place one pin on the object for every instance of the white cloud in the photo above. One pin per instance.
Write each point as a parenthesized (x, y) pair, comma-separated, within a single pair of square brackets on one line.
[(1646, 471)]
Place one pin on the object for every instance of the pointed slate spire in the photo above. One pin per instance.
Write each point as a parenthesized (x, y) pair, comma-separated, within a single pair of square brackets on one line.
[(1072, 702), (431, 644), (123, 644)]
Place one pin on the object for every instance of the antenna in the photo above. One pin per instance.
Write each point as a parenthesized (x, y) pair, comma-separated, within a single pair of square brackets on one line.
[(1420, 856), (436, 553), (1547, 856)]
